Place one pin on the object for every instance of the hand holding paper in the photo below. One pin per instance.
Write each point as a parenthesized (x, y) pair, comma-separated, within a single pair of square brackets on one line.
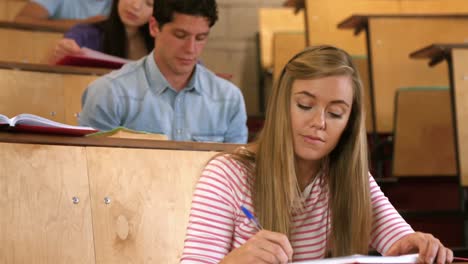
[(430, 248), (91, 58), (65, 47)]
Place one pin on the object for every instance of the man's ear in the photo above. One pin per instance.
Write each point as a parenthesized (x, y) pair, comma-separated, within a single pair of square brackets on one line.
[(153, 27)]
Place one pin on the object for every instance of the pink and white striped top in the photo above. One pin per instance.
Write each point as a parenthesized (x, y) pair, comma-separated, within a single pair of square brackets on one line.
[(217, 225)]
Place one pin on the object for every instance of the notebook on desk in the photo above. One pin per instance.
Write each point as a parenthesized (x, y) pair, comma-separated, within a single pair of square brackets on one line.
[(92, 58), (36, 124), (403, 259)]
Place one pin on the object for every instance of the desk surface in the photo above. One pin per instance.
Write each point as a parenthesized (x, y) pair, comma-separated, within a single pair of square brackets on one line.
[(360, 21), (437, 52), (53, 68), (113, 142), (31, 27)]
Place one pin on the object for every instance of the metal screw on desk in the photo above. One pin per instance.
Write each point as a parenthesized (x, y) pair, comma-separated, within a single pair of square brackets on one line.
[(75, 200), (107, 200)]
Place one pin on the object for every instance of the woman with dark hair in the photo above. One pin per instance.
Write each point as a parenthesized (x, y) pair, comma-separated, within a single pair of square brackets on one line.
[(124, 34), (305, 178)]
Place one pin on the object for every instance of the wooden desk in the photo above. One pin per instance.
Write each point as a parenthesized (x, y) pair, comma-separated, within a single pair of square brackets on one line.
[(271, 21), (26, 42), (390, 38), (285, 46), (61, 69), (456, 56), (423, 144), (10, 8), (89, 200), (53, 92), (322, 16)]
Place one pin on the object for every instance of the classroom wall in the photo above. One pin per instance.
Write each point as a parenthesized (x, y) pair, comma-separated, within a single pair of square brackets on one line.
[(232, 49)]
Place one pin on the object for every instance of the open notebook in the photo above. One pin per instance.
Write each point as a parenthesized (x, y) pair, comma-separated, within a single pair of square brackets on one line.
[(404, 259), (36, 124), (92, 58)]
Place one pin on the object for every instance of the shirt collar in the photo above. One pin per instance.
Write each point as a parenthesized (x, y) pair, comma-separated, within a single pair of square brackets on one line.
[(194, 82), (158, 82)]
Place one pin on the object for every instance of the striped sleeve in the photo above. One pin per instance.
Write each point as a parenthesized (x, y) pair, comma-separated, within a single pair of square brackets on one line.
[(213, 213), (388, 226)]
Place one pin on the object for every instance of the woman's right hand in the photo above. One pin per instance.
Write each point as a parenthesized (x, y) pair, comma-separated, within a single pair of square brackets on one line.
[(263, 247), (65, 47)]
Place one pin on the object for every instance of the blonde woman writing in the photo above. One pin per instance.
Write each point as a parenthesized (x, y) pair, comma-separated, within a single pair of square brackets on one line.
[(306, 180)]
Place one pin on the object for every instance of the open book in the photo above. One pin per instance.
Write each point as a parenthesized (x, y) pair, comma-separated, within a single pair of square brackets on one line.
[(36, 124), (123, 132), (406, 259), (92, 58)]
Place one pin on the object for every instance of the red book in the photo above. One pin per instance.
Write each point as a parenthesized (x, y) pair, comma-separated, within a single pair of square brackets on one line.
[(92, 58), (36, 124)]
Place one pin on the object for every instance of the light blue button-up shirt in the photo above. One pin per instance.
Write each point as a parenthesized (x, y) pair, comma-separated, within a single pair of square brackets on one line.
[(138, 96), (75, 9)]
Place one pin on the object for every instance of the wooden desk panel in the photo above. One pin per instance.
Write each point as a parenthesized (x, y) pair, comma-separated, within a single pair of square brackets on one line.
[(323, 16), (26, 138), (60, 69), (151, 193), (74, 86), (460, 78), (433, 6), (39, 222), (32, 92), (273, 20), (456, 55), (392, 39), (26, 45), (51, 95), (53, 92), (285, 46), (361, 63), (10, 8), (424, 144)]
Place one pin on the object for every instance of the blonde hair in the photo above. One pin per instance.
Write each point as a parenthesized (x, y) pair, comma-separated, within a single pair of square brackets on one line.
[(276, 193)]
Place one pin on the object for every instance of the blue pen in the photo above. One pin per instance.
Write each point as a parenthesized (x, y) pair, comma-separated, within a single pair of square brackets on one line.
[(251, 217)]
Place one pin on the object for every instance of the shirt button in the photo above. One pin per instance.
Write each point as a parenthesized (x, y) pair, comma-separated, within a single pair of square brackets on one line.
[(179, 131)]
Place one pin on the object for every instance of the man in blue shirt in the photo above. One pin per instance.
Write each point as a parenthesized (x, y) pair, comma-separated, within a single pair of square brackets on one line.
[(167, 91), (63, 14)]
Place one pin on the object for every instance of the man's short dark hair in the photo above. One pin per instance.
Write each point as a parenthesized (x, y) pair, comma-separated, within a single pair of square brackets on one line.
[(163, 10)]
